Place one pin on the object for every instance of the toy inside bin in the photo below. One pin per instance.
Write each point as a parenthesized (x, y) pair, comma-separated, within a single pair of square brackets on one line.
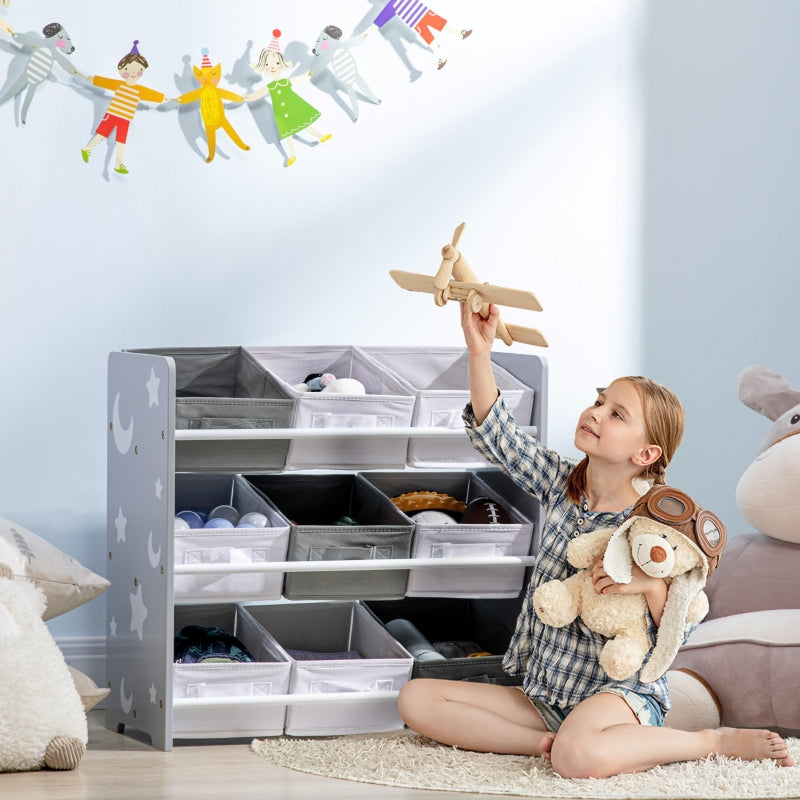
[(339, 517), (386, 404), (196, 492), (433, 539), (268, 674), (453, 638)]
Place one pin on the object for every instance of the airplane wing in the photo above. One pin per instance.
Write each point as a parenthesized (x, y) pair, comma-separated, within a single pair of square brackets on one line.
[(413, 281), (526, 335), (500, 295)]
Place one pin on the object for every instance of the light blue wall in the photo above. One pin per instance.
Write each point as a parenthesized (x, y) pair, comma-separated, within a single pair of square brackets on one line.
[(531, 134), (720, 241)]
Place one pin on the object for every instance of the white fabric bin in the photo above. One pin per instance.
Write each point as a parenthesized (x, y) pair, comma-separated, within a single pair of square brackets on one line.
[(201, 492), (438, 377), (386, 404), (330, 628), (459, 540), (268, 675)]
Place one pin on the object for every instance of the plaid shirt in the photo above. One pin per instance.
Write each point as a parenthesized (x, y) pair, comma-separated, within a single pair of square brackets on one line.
[(560, 665)]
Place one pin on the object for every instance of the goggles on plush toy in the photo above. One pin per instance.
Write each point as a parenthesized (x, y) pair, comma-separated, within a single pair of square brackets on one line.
[(676, 509)]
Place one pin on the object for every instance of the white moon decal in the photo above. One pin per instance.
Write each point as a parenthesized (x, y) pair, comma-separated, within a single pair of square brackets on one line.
[(122, 436), (127, 702), (153, 555)]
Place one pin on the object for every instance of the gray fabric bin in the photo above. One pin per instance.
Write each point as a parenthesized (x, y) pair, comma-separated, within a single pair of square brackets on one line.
[(438, 377), (386, 404), (460, 540), (202, 492), (488, 623), (312, 503), (328, 635), (225, 387)]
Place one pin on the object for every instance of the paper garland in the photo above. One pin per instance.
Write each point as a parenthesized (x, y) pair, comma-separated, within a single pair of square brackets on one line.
[(292, 112)]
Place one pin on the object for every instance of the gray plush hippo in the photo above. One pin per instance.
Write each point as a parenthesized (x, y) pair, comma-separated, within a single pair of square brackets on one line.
[(768, 493)]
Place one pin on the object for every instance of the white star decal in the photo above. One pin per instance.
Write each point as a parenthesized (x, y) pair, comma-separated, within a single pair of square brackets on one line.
[(120, 522), (153, 382), (138, 612), (153, 693), (159, 488)]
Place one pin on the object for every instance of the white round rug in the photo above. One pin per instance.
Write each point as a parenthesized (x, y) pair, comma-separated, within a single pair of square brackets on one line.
[(406, 759)]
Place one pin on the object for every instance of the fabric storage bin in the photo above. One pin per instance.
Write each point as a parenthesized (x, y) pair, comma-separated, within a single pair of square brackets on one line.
[(386, 404), (225, 387), (321, 639), (269, 674), (484, 540), (312, 503), (450, 623), (438, 377), (200, 492)]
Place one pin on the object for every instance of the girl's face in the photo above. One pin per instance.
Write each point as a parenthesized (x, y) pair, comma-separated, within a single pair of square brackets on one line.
[(274, 64), (613, 428)]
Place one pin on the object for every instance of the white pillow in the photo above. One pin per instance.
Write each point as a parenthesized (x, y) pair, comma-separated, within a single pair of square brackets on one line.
[(66, 583)]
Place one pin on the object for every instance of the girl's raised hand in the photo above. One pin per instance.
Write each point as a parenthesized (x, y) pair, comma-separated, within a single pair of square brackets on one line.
[(479, 333)]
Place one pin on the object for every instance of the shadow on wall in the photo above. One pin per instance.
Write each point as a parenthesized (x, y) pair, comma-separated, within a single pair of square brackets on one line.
[(719, 256)]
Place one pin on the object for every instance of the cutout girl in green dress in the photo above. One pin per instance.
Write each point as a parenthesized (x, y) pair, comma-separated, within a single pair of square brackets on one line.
[(292, 113)]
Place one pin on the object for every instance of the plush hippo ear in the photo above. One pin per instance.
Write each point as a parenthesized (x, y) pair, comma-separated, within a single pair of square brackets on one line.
[(766, 392)]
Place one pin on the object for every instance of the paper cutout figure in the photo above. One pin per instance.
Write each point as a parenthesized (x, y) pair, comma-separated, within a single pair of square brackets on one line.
[(422, 20), (292, 113), (212, 109), (127, 96), (55, 46), (332, 52)]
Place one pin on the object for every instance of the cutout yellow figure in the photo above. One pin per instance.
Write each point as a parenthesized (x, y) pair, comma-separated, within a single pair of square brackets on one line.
[(212, 109)]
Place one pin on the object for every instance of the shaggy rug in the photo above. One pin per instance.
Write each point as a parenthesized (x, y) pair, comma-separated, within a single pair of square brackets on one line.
[(406, 759)]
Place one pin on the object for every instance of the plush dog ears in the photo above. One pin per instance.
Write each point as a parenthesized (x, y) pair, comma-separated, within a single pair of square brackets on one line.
[(766, 392)]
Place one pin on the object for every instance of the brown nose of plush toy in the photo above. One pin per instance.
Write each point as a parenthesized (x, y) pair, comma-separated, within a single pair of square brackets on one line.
[(658, 554)]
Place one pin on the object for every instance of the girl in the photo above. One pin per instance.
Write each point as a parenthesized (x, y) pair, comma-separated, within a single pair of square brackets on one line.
[(569, 710), (292, 113)]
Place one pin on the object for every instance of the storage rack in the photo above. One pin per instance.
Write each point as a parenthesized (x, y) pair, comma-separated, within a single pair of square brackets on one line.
[(144, 453)]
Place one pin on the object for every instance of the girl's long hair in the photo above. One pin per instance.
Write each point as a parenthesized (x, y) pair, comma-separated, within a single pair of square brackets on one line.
[(664, 420)]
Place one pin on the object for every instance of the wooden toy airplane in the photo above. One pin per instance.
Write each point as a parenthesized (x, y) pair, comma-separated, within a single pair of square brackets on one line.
[(455, 280)]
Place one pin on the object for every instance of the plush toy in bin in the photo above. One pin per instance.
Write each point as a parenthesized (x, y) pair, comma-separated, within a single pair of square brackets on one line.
[(668, 536), (42, 719)]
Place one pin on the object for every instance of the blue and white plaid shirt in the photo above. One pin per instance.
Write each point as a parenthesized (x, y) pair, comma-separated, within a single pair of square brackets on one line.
[(560, 665)]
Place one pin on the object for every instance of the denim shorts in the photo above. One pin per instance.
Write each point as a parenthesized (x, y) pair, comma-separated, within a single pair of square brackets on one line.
[(646, 708)]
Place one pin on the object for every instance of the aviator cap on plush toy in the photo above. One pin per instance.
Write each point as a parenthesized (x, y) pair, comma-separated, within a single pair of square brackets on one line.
[(675, 508)]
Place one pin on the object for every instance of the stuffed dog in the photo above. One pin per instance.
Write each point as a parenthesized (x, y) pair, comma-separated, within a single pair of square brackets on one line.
[(668, 536)]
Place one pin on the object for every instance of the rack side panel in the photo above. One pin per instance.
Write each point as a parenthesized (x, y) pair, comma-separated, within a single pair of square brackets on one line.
[(139, 511)]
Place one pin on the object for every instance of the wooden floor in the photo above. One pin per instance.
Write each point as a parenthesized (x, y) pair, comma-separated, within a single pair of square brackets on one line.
[(118, 767)]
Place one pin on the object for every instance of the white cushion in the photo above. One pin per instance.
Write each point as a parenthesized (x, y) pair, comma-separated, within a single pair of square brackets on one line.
[(65, 581)]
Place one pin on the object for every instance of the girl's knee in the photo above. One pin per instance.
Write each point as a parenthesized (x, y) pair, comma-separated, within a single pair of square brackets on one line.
[(578, 757), (415, 695)]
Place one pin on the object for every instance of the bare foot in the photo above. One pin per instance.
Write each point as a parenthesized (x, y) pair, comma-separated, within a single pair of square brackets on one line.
[(753, 745), (546, 744)]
